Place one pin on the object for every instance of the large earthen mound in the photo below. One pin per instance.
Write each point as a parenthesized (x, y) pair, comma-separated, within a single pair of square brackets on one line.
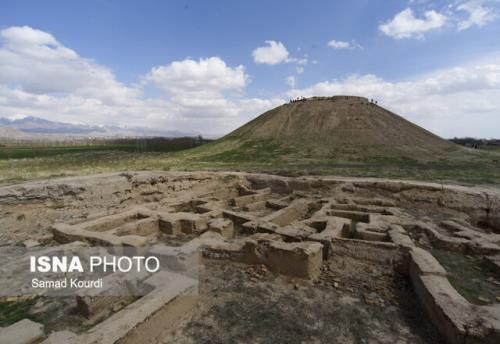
[(325, 123)]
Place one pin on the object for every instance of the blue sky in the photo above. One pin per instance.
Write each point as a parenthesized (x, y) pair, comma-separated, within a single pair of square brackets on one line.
[(210, 66)]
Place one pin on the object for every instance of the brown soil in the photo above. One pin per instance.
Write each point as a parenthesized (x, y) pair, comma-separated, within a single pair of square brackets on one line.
[(339, 122), (241, 304)]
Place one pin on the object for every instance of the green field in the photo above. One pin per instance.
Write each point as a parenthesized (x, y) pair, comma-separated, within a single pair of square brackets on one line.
[(465, 166), (38, 152), (48, 149)]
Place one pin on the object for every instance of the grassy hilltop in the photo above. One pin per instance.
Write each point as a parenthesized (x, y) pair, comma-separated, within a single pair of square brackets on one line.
[(344, 136)]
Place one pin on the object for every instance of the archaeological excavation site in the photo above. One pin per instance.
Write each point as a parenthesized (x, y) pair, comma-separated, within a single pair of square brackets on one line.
[(254, 258), (250, 172)]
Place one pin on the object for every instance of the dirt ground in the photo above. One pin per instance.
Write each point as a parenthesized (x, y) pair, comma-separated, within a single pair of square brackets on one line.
[(362, 304)]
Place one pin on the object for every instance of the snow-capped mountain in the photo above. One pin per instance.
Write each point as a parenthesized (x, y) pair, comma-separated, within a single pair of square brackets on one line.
[(39, 126)]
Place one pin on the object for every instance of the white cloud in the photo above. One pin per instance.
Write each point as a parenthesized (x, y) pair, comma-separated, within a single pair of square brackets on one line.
[(273, 53), (460, 101), (25, 35), (291, 81), (463, 15), (339, 44), (344, 45), (36, 62), (478, 14), (39, 76), (208, 119), (206, 75), (406, 25), (196, 88), (299, 61), (299, 69)]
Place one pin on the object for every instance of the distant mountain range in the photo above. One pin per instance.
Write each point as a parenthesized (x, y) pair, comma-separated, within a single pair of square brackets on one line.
[(36, 126)]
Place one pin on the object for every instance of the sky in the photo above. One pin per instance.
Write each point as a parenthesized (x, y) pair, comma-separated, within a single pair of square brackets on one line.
[(210, 66)]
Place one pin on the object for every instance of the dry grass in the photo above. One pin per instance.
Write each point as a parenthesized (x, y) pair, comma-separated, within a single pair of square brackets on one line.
[(472, 167)]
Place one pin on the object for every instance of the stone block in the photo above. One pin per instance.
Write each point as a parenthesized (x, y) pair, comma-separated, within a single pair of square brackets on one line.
[(285, 216), (191, 223), (276, 204), (22, 332), (256, 206), (364, 231), (142, 320), (334, 227), (298, 259), (222, 226), (302, 259), (447, 309), (424, 263), (143, 227), (244, 200), (95, 302), (296, 232), (238, 218), (30, 243), (225, 251), (400, 238)]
